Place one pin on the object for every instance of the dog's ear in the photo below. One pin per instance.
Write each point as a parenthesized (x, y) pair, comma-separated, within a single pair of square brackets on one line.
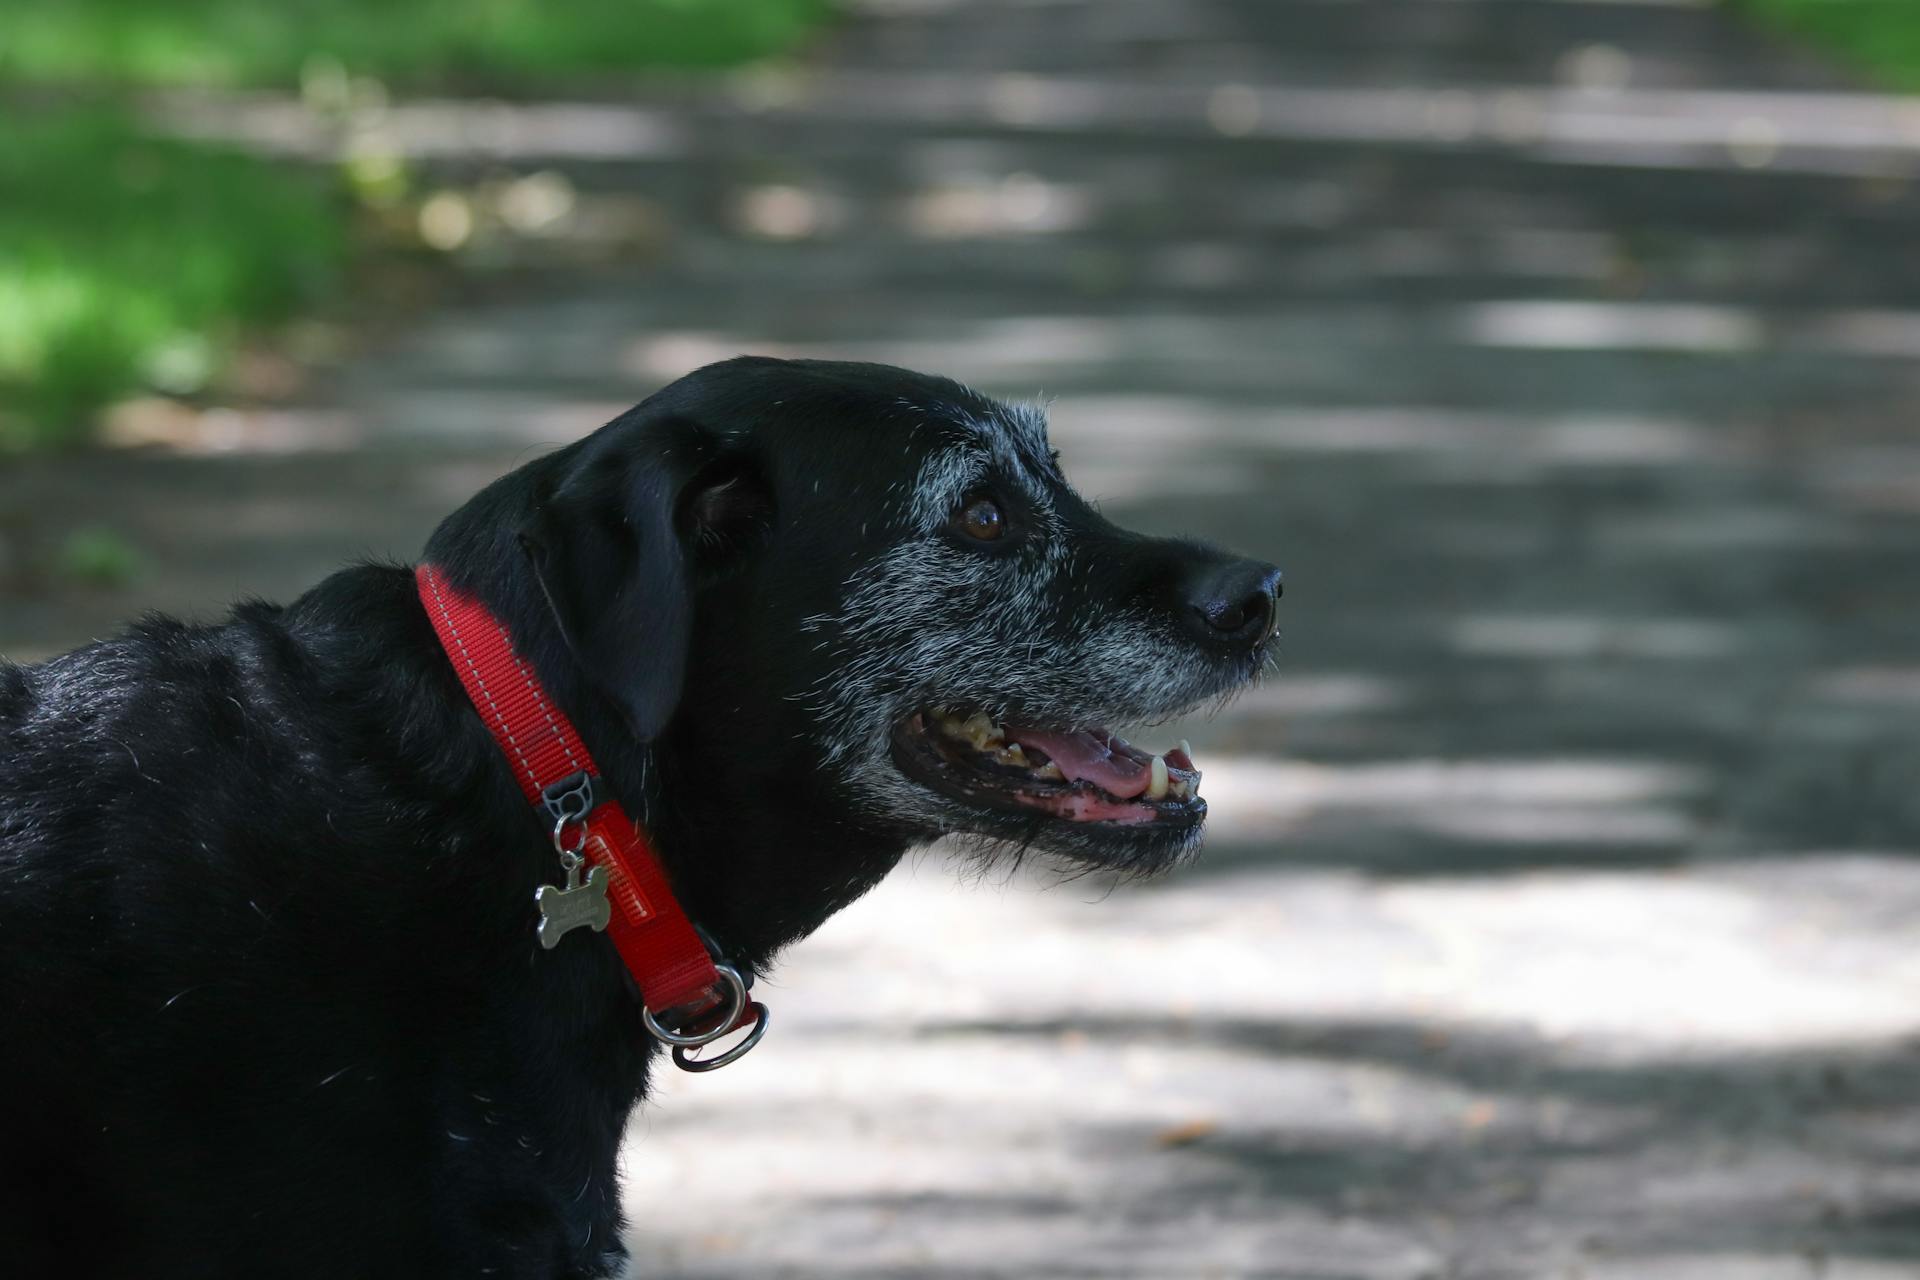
[(618, 546)]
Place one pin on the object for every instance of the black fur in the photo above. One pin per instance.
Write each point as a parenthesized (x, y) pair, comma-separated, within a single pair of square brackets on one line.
[(270, 999)]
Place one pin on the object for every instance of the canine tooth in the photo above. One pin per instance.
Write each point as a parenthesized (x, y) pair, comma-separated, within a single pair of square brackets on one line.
[(1012, 754), (1186, 748), (1157, 788)]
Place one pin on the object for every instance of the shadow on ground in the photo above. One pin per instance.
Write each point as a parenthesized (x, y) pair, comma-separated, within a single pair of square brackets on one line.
[(1557, 914)]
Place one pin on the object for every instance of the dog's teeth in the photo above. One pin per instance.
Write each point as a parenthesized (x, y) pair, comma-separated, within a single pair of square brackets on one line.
[(1157, 788), (1012, 754), (1186, 748), (982, 732), (1051, 771)]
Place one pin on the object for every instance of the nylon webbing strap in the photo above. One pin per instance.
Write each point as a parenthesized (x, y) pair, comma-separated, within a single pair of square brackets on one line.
[(650, 931)]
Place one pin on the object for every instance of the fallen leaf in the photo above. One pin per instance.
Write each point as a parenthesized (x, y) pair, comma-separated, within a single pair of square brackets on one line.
[(1188, 1133)]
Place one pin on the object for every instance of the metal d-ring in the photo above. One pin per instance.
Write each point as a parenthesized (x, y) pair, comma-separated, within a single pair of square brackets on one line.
[(685, 1062), (736, 1005)]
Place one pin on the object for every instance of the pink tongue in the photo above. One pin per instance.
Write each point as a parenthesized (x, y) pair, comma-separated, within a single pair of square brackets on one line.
[(1086, 757)]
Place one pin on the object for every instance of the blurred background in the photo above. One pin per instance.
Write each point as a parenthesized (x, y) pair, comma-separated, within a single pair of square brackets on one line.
[(1559, 911)]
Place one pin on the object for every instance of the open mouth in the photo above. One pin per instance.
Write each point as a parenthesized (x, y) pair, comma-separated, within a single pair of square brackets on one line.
[(1079, 776)]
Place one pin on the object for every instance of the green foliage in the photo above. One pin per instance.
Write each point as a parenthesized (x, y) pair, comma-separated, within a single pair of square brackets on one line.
[(97, 557), (235, 42), (124, 259), (1881, 36), (127, 261)]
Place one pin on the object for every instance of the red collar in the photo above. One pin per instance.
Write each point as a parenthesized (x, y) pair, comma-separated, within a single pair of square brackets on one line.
[(623, 889)]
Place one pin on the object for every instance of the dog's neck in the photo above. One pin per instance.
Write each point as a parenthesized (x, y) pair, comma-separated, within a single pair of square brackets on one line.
[(745, 856), (750, 866)]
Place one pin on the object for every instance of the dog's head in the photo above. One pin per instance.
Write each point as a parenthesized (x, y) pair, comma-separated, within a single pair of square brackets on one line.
[(870, 597)]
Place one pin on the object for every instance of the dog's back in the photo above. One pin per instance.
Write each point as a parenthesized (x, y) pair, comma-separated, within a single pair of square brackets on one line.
[(145, 781), (223, 993)]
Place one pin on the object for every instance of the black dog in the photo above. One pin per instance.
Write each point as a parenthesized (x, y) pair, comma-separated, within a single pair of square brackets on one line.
[(270, 998)]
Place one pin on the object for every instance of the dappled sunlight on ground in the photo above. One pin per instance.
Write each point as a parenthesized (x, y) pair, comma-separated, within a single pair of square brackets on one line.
[(1558, 910), (1552, 1070)]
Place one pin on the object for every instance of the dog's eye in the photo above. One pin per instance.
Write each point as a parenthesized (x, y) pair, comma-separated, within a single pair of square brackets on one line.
[(981, 520)]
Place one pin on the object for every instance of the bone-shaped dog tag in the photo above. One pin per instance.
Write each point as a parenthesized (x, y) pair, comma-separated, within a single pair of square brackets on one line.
[(564, 910)]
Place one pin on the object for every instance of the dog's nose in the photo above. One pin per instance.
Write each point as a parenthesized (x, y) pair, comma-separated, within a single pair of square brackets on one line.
[(1234, 603)]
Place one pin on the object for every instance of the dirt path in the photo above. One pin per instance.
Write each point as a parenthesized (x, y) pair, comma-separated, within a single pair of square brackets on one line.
[(1559, 916)]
